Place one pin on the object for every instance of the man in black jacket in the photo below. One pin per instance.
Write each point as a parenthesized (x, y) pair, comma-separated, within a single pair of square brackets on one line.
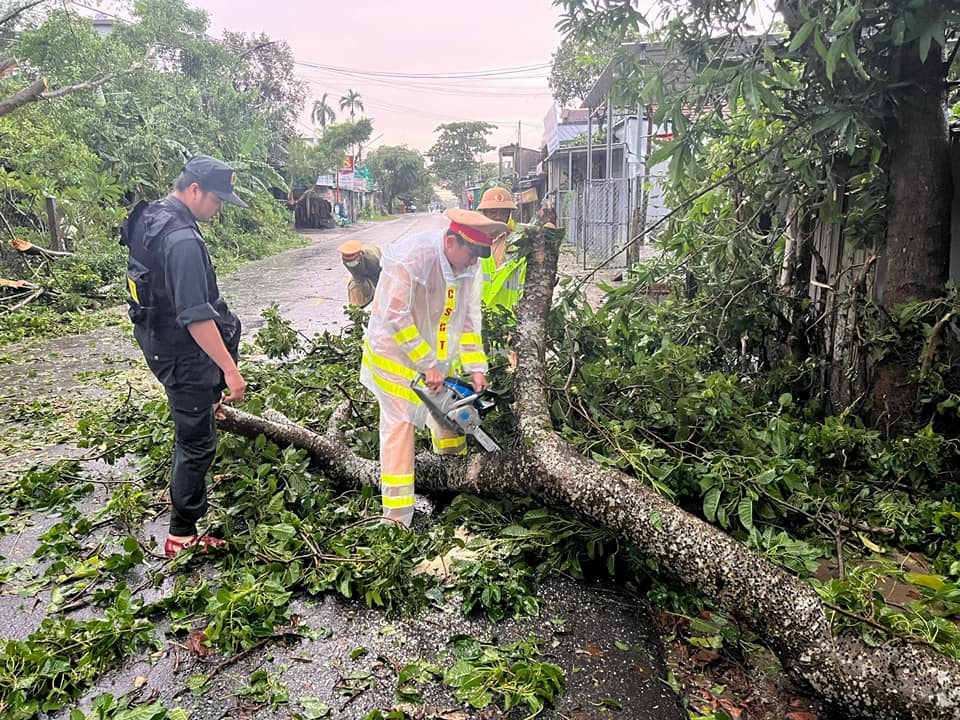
[(187, 333)]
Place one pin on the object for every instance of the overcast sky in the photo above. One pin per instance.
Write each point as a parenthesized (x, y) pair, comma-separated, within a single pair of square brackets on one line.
[(417, 37)]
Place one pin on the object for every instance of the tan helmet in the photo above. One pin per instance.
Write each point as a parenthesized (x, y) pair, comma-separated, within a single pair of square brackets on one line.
[(497, 198)]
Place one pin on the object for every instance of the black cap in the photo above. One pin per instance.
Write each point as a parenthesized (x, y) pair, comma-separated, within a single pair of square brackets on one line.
[(214, 176)]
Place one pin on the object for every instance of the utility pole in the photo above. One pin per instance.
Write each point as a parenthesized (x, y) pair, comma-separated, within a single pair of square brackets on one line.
[(518, 162)]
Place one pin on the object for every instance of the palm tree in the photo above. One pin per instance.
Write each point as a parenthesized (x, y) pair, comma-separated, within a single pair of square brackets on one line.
[(351, 100), (322, 112)]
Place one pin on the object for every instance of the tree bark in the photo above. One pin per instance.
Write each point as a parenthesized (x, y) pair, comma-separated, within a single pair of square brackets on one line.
[(897, 681), (914, 263)]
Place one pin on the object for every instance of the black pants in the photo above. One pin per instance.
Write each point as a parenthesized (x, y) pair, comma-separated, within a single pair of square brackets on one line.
[(195, 445), (193, 384)]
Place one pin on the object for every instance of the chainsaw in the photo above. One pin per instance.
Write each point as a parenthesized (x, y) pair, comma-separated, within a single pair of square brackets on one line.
[(459, 408)]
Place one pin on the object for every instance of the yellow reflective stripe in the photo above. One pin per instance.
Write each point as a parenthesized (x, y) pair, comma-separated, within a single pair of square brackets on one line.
[(393, 388), (385, 363), (133, 290), (397, 480), (473, 358), (448, 442), (449, 306), (419, 352), (397, 502), (470, 339), (399, 390), (408, 333)]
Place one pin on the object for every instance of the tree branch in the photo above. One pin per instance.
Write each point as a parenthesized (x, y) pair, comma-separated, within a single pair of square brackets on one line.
[(28, 248), (29, 94), (16, 11), (37, 90), (92, 84)]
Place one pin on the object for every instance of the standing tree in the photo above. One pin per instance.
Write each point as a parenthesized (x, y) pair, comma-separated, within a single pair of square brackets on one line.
[(337, 139), (322, 112), (398, 170), (265, 74), (575, 66), (352, 102), (848, 116), (455, 156)]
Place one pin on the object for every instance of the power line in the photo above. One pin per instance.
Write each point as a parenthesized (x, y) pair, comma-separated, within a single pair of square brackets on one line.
[(517, 91), (460, 75)]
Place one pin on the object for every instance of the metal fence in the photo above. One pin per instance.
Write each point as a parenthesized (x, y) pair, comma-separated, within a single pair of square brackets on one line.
[(599, 222)]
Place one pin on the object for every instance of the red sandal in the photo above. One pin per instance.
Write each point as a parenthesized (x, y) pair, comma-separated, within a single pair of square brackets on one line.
[(171, 547)]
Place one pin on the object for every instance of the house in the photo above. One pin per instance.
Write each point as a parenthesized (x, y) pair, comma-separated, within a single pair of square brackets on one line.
[(521, 165), (598, 176)]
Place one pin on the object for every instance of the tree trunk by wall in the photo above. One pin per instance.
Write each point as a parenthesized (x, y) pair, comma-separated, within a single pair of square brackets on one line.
[(914, 261)]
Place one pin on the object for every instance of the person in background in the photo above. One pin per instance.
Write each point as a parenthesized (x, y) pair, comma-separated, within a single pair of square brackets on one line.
[(362, 261), (187, 333), (504, 271), (425, 316)]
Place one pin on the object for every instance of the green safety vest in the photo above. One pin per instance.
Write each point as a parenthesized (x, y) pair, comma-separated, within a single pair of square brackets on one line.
[(502, 286)]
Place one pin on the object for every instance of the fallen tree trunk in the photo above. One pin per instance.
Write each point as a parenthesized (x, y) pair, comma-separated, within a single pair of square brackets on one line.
[(896, 681)]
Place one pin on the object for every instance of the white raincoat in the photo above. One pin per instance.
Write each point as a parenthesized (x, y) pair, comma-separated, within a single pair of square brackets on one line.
[(423, 316)]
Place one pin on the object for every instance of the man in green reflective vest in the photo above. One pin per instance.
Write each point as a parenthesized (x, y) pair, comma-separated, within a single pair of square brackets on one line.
[(504, 271)]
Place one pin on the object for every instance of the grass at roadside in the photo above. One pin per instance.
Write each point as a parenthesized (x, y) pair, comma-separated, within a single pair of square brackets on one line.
[(377, 217)]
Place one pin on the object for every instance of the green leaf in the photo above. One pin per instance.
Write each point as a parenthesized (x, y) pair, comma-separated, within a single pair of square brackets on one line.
[(847, 17), (656, 520), (745, 512), (832, 119), (820, 46), (801, 36), (711, 502), (456, 675), (833, 56), (515, 531), (313, 709), (198, 684), (934, 582), (850, 55)]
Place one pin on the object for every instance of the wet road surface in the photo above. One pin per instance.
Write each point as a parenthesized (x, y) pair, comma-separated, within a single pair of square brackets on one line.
[(606, 642)]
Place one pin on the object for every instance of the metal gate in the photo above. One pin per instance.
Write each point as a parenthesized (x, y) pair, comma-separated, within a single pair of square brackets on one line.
[(599, 225)]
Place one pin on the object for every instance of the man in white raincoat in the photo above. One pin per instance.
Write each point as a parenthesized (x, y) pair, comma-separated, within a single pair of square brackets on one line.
[(425, 316)]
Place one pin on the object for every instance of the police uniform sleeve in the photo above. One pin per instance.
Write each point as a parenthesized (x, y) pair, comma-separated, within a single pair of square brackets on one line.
[(186, 278)]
